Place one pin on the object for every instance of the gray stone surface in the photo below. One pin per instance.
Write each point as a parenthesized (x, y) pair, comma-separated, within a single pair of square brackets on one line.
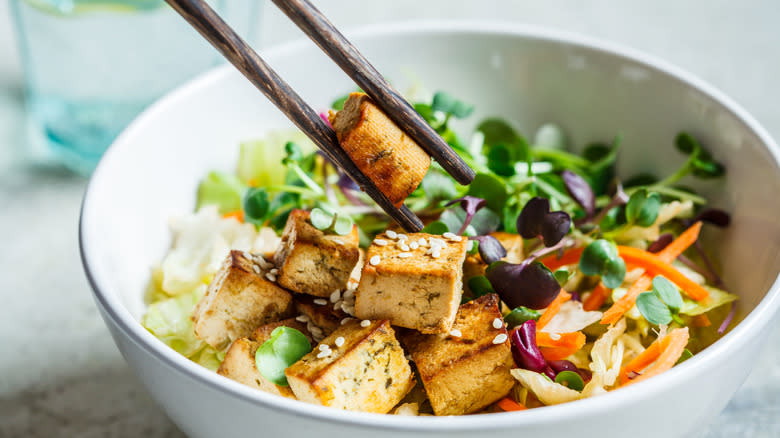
[(60, 373)]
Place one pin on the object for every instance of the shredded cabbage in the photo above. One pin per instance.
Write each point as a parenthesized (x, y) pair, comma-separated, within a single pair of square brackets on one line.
[(547, 391), (607, 354), (639, 236), (571, 318), (717, 297)]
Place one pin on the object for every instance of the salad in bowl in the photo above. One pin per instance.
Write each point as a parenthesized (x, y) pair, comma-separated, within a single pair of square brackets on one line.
[(546, 280)]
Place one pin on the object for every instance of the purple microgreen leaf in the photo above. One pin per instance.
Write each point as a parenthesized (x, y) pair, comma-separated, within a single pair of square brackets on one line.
[(536, 220), (714, 216), (555, 226), (524, 349), (725, 324), (490, 249), (580, 191), (662, 242), (469, 204), (619, 197), (530, 285)]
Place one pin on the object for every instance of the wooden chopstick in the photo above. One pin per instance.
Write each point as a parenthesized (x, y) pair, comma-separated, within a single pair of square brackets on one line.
[(248, 62), (357, 67)]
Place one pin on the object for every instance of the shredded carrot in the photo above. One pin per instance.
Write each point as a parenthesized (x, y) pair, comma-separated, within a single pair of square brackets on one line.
[(510, 405), (596, 298), (561, 348), (667, 255), (655, 266), (237, 214), (552, 309), (701, 321), (569, 257), (643, 359), (671, 348)]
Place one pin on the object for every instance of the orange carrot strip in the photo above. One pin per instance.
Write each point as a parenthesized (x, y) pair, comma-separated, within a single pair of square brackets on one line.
[(701, 321), (552, 309), (557, 349), (569, 257), (667, 255), (596, 298), (656, 266), (237, 214), (642, 360), (674, 344), (510, 405)]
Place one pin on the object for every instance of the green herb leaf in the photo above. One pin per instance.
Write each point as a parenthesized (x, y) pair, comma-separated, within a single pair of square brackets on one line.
[(519, 315), (343, 225), (293, 152), (256, 206), (436, 227), (668, 293), (653, 309), (643, 207), (497, 131), (320, 219), (480, 285), (571, 380), (285, 347), (425, 111), (562, 275), (443, 102), (491, 189), (438, 186), (601, 258)]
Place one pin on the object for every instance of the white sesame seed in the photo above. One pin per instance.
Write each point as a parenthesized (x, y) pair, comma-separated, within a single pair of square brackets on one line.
[(320, 301), (457, 238), (414, 245), (274, 271), (271, 277), (349, 293), (302, 318), (335, 296), (380, 242), (555, 336), (374, 260), (337, 306), (497, 323), (456, 333), (339, 341), (500, 338), (404, 255), (246, 255), (436, 253), (349, 310), (402, 236), (315, 331), (448, 235), (422, 241), (391, 234), (404, 247), (338, 241), (323, 347), (323, 354), (365, 323), (256, 269), (346, 320)]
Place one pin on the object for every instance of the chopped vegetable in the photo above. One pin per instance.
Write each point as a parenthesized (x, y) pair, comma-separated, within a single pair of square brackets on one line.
[(285, 347), (553, 309), (509, 405), (655, 265), (663, 357), (519, 315), (601, 258), (570, 379), (560, 345), (596, 298)]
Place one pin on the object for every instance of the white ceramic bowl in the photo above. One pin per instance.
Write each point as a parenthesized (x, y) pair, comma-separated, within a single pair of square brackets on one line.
[(528, 75)]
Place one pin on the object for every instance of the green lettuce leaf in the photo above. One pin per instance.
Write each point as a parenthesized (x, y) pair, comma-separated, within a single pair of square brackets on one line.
[(260, 161), (224, 190), (717, 298)]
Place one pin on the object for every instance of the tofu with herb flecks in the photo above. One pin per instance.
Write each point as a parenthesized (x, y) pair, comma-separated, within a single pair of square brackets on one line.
[(313, 261), (413, 280), (468, 368), (359, 367), (239, 363), (241, 297), (322, 315)]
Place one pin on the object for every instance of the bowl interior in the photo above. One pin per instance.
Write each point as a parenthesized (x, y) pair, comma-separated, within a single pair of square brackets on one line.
[(529, 77)]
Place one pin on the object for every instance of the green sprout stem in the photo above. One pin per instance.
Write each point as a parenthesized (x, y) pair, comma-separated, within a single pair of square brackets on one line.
[(310, 183)]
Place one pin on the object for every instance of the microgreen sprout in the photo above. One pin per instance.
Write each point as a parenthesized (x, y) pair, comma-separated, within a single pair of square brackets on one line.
[(327, 221), (470, 205), (292, 160), (256, 206), (528, 284), (519, 315), (643, 207), (571, 380), (490, 249), (662, 304), (285, 347), (536, 220), (601, 258), (580, 191), (479, 286)]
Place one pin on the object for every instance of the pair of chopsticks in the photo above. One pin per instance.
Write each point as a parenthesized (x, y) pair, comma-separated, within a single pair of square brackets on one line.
[(333, 43)]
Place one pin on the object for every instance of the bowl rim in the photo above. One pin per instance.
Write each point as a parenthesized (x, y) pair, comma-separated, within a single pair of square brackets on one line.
[(113, 309)]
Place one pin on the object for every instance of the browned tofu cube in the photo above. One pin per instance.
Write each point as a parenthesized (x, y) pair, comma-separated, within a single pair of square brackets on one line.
[(321, 316), (513, 243), (239, 299), (239, 363), (468, 369), (363, 368), (313, 262), (413, 280), (380, 149)]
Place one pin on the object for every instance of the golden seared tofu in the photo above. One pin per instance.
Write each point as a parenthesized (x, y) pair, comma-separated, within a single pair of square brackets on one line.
[(512, 243), (314, 262), (413, 280), (239, 363), (359, 367), (322, 315), (241, 297), (467, 369), (379, 148)]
